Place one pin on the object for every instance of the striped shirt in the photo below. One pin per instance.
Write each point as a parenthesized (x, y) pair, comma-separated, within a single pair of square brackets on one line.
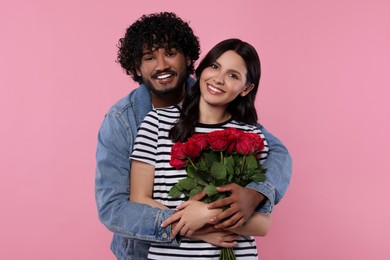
[(153, 146)]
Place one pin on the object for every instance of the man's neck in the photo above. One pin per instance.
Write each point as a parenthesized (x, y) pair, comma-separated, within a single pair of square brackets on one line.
[(167, 100)]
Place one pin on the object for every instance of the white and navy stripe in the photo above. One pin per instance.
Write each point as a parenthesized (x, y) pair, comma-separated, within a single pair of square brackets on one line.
[(153, 146)]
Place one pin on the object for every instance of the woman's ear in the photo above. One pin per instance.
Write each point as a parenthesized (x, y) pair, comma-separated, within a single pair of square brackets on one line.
[(247, 90)]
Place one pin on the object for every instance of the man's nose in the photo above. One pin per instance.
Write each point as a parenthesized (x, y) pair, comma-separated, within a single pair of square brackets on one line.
[(162, 63)]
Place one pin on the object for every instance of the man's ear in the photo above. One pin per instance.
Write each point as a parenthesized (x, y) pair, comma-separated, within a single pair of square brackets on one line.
[(247, 90), (188, 61), (138, 71)]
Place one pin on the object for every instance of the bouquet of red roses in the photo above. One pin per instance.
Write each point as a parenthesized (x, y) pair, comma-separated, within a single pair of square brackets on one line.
[(215, 159)]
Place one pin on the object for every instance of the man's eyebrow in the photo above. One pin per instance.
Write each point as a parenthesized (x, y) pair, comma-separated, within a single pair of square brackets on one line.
[(147, 53)]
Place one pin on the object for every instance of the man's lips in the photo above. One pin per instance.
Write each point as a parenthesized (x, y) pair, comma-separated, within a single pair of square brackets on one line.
[(164, 75)]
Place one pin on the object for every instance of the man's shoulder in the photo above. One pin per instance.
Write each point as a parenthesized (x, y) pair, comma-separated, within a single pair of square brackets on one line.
[(137, 99), (120, 106)]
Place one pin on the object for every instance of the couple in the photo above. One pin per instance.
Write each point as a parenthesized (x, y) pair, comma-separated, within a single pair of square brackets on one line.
[(161, 60)]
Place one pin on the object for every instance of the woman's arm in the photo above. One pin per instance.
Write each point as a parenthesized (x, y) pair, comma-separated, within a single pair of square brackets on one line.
[(257, 225), (141, 185), (222, 238), (193, 215)]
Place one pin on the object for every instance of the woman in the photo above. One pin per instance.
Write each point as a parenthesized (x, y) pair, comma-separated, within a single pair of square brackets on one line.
[(223, 96)]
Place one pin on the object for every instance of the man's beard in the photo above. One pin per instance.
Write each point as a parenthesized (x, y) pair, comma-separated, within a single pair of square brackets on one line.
[(162, 92)]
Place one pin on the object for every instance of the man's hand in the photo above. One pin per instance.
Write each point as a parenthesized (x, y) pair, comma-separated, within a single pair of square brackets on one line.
[(242, 203)]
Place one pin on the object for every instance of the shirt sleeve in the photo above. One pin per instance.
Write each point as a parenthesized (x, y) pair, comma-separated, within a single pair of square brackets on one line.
[(145, 145)]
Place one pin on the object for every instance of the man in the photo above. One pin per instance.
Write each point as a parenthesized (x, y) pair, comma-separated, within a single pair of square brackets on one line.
[(159, 51)]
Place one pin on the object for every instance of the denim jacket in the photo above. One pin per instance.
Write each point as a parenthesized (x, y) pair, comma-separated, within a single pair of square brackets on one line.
[(135, 225)]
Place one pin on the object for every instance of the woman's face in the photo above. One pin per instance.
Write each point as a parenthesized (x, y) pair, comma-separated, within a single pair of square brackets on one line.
[(224, 80)]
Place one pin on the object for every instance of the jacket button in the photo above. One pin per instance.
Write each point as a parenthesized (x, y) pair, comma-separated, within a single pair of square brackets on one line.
[(164, 235)]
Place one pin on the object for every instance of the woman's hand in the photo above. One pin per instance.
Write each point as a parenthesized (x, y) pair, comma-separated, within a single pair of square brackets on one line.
[(192, 215), (222, 238)]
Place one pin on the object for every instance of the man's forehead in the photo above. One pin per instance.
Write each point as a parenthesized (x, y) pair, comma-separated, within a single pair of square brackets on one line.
[(148, 50)]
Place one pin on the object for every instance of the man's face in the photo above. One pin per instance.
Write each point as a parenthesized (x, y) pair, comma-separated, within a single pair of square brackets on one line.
[(163, 71)]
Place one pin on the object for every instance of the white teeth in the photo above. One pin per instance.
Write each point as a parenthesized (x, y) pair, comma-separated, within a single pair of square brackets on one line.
[(214, 89), (164, 76)]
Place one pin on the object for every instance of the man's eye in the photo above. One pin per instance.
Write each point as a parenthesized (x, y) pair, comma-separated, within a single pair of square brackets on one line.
[(170, 54), (146, 58)]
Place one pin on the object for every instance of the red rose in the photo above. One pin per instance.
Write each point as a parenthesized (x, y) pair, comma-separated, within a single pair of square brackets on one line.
[(177, 151), (192, 149), (219, 140), (177, 163), (234, 135), (249, 143), (200, 139)]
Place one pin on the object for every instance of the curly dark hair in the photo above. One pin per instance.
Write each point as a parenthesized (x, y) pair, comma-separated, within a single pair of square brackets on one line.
[(153, 31)]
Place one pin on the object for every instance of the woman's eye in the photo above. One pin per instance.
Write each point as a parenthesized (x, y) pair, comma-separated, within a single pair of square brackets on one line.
[(234, 76), (214, 66)]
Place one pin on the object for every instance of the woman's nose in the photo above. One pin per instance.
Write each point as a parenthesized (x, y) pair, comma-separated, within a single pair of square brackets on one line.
[(218, 79)]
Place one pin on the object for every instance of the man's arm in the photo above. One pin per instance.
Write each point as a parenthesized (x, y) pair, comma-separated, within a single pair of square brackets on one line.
[(279, 170), (259, 196), (112, 190)]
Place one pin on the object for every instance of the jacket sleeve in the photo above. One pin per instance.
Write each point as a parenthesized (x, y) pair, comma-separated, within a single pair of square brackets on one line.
[(112, 187), (279, 170)]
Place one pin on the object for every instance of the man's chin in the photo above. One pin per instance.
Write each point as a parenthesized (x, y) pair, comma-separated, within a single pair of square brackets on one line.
[(161, 89), (164, 91)]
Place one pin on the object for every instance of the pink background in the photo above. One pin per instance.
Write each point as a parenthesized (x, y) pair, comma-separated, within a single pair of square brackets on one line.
[(324, 92)]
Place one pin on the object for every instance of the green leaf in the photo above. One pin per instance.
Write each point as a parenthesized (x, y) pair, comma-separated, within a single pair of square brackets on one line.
[(211, 157), (210, 190), (258, 177), (218, 171), (195, 191), (174, 192), (188, 183), (229, 164), (251, 162), (200, 180), (191, 171)]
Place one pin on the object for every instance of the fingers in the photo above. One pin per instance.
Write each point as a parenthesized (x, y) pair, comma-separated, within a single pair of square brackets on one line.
[(224, 214), (178, 228), (173, 218), (228, 240), (206, 229), (228, 244), (238, 224), (189, 233), (231, 222), (183, 205), (229, 187), (221, 203)]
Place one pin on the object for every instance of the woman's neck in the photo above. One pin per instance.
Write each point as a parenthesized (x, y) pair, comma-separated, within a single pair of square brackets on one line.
[(213, 114)]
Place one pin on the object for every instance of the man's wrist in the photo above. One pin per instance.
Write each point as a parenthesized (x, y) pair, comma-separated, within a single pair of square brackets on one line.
[(257, 196)]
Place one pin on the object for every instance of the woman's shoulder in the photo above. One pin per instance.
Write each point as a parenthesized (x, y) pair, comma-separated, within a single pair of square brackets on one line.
[(243, 126)]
